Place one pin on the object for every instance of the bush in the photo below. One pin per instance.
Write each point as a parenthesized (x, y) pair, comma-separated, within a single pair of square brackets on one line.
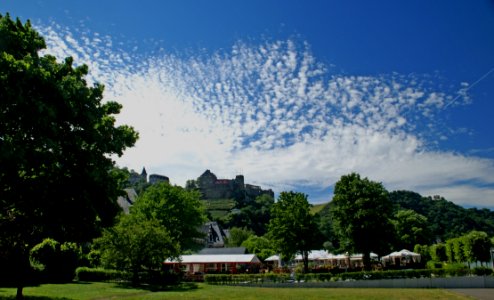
[(431, 264), (456, 269), (451, 270), (57, 262), (99, 274), (482, 271)]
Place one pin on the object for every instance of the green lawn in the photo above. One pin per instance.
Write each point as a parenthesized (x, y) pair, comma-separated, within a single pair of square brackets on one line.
[(202, 291)]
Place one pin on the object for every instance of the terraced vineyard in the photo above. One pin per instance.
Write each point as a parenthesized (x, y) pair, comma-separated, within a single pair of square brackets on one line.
[(219, 207)]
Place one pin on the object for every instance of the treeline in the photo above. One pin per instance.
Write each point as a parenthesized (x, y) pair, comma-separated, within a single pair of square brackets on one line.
[(472, 247), (388, 221), (445, 219)]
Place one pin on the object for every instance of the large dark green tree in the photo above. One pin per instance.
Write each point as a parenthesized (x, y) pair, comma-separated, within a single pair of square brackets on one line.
[(411, 229), (179, 211), (255, 215), (56, 139), (292, 228), (361, 213)]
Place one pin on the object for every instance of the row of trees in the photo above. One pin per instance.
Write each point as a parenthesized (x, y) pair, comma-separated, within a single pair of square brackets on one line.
[(361, 218), (472, 247), (360, 215)]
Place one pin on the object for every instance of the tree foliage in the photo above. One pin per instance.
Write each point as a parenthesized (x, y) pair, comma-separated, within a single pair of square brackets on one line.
[(445, 219), (179, 211), (411, 229), (260, 246), (476, 246), (56, 139), (292, 227), (136, 244), (438, 252), (238, 236), (57, 261), (254, 215), (361, 213)]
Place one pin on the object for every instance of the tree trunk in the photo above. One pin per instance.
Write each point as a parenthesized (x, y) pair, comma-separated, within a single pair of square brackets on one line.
[(305, 257), (19, 294), (135, 277), (367, 261)]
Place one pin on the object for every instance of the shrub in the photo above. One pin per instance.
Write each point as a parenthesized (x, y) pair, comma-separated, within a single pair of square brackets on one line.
[(456, 269), (57, 262), (432, 264), (99, 274), (482, 271)]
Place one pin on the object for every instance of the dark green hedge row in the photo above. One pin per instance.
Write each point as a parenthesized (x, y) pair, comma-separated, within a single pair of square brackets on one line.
[(149, 277), (321, 277), (98, 274)]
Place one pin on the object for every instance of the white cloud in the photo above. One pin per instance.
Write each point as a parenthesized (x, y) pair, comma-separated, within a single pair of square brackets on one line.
[(273, 113)]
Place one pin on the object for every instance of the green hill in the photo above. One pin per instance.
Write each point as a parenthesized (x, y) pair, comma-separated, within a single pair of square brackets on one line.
[(446, 219)]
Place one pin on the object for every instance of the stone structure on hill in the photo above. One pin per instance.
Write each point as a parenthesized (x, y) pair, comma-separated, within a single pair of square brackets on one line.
[(136, 184), (136, 178), (213, 188)]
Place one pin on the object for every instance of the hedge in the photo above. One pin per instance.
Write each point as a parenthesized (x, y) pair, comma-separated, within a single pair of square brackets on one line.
[(225, 279), (99, 274)]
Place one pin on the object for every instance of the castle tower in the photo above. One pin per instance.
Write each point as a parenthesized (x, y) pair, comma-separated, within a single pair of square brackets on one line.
[(144, 174)]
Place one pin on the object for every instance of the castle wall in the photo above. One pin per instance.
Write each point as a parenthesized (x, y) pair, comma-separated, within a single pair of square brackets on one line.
[(213, 188)]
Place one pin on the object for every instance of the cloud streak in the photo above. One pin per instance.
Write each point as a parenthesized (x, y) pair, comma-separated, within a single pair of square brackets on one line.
[(271, 111)]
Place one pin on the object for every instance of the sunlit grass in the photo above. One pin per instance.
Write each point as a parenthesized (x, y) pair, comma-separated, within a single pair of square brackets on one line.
[(202, 291)]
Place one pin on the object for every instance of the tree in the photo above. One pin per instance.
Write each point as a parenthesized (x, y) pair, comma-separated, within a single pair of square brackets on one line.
[(292, 228), (260, 246), (325, 222), (424, 252), (438, 252), (136, 244), (255, 215), (56, 143), (477, 246), (238, 236), (179, 211), (411, 229), (361, 213)]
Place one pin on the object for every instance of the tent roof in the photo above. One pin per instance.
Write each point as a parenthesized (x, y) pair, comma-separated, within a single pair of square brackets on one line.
[(273, 258), (223, 251), (403, 252), (215, 258), (323, 255)]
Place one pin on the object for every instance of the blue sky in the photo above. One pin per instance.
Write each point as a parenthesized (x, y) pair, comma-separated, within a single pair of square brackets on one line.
[(294, 94)]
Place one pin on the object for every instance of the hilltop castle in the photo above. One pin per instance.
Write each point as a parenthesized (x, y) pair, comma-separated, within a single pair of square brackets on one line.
[(213, 188), (143, 177)]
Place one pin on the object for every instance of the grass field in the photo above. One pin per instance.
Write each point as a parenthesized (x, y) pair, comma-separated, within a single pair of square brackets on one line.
[(89, 290)]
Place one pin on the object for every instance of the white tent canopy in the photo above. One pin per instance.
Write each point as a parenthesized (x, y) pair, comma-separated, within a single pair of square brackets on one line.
[(273, 258), (325, 255), (218, 258), (403, 258), (402, 253)]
